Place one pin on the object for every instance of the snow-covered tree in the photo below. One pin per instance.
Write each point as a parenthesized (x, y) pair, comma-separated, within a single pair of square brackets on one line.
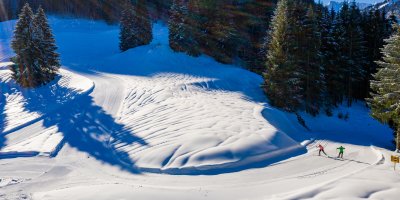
[(385, 101), (376, 28), (127, 33), (36, 62), (143, 23), (135, 26), (181, 36), (45, 46), (22, 44)]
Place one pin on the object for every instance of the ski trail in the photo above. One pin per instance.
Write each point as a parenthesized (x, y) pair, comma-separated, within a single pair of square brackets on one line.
[(305, 191)]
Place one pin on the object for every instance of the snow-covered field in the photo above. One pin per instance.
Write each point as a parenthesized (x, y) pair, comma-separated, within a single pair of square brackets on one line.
[(152, 124)]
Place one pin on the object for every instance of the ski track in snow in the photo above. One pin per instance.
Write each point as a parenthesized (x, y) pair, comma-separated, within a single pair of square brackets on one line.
[(184, 119)]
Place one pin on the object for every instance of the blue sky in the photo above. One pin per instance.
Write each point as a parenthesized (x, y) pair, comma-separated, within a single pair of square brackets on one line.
[(362, 1)]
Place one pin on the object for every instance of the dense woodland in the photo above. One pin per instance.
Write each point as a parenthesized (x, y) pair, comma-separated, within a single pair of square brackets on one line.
[(318, 59), (312, 59), (108, 10)]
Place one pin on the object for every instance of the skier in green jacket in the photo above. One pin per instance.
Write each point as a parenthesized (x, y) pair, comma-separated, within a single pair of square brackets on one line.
[(341, 151)]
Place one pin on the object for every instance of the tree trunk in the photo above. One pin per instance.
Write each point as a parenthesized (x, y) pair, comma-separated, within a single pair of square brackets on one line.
[(398, 139)]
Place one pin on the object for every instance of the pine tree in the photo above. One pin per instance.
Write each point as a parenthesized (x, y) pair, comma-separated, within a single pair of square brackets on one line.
[(376, 28), (335, 68), (312, 80), (22, 44), (181, 36), (143, 26), (385, 101), (351, 43), (329, 55), (281, 81), (224, 33), (44, 42), (135, 26), (36, 62), (127, 35), (252, 22)]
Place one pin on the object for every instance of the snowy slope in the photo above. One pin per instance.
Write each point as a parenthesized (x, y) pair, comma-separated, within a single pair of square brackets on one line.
[(192, 113), (187, 114), (22, 107), (389, 6), (6, 31), (152, 110), (336, 6)]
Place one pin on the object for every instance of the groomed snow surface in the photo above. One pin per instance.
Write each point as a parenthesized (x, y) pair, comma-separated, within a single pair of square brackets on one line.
[(153, 124)]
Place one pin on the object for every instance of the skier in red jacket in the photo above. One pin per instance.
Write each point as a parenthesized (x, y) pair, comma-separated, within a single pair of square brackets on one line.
[(321, 149)]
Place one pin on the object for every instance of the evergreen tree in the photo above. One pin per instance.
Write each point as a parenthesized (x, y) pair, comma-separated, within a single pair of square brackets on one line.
[(376, 28), (135, 26), (224, 33), (311, 62), (252, 22), (281, 81), (293, 78), (352, 50), (385, 101), (334, 69), (181, 36), (143, 27), (36, 62), (45, 48), (22, 44), (329, 55), (127, 28)]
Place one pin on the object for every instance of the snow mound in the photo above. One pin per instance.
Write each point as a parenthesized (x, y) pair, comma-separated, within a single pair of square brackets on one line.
[(192, 113)]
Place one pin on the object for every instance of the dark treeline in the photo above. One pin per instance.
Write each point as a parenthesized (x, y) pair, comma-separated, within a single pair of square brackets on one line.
[(230, 31), (227, 30), (318, 59), (108, 10)]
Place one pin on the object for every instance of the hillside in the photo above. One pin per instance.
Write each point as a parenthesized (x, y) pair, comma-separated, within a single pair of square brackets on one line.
[(153, 123)]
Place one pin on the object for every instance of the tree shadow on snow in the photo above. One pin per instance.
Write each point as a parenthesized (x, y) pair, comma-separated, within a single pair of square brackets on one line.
[(85, 126)]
